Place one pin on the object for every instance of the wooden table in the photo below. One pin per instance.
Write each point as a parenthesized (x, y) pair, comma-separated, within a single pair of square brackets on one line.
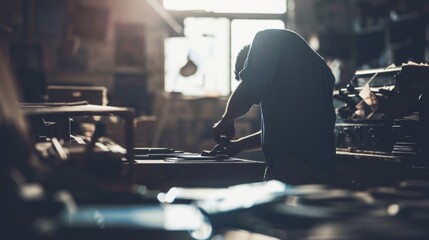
[(162, 175)]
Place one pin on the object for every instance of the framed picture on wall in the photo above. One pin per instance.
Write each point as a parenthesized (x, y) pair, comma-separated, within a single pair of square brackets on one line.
[(28, 56), (90, 22), (50, 18), (130, 46)]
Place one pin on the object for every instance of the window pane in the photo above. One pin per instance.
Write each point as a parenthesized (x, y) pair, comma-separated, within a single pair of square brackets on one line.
[(188, 5), (242, 33), (249, 6), (206, 45), (228, 6)]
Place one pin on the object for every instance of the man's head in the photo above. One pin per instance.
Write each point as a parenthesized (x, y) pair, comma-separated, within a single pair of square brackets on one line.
[(241, 59)]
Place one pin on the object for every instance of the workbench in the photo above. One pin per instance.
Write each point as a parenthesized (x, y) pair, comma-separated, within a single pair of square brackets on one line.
[(162, 175)]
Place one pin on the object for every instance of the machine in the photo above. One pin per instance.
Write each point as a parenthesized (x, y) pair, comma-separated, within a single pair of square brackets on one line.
[(384, 113)]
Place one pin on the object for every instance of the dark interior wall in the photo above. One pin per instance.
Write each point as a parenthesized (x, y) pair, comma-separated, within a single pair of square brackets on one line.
[(89, 42), (366, 34), (315, 16)]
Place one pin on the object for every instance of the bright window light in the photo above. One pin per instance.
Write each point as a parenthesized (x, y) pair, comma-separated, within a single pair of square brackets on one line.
[(242, 33), (206, 45), (228, 6), (188, 5)]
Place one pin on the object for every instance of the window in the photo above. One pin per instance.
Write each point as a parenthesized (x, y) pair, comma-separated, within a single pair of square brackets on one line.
[(228, 6), (205, 45), (210, 44)]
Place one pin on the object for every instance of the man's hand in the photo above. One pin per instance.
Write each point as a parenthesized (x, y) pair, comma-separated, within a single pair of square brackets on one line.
[(221, 129), (231, 148)]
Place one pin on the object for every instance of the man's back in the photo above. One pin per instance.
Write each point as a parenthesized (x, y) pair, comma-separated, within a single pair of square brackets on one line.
[(294, 87)]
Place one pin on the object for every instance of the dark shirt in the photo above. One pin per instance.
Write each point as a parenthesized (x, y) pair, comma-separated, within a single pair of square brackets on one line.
[(293, 86)]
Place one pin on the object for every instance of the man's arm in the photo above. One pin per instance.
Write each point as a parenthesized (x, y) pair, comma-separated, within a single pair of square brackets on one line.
[(239, 104), (247, 143)]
